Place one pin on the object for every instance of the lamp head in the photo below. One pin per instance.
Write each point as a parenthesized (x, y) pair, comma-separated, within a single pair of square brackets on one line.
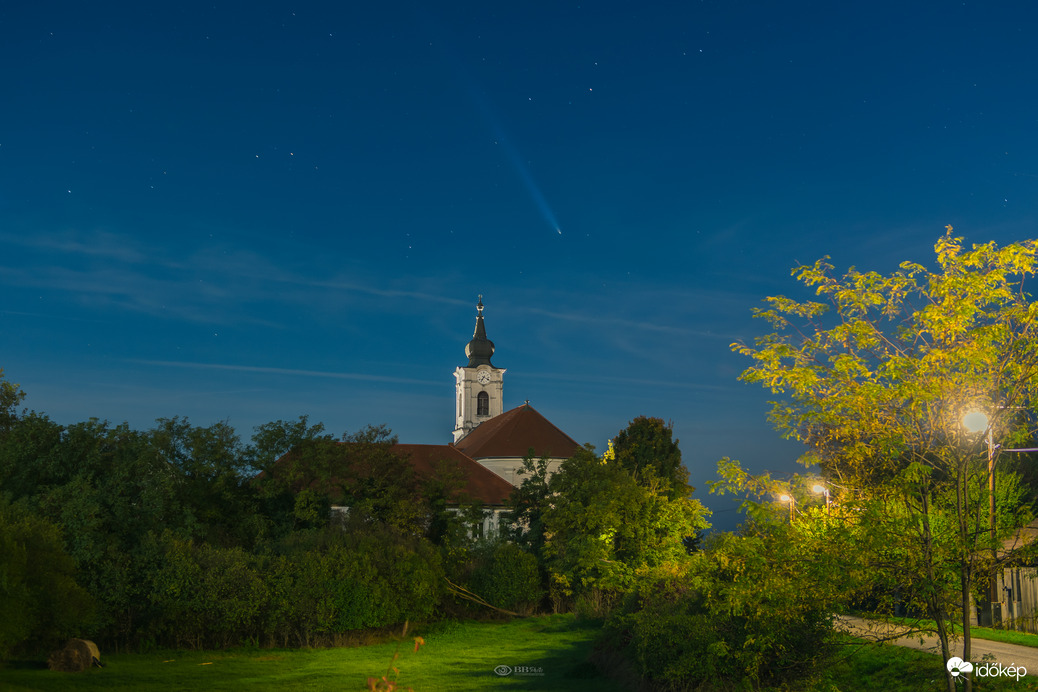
[(975, 422)]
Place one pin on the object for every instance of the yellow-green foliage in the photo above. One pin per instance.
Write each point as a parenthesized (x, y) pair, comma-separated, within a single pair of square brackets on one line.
[(738, 614), (603, 525)]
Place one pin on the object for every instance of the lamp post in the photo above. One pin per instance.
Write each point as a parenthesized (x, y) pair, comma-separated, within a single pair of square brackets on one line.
[(789, 499), (975, 422), (819, 488)]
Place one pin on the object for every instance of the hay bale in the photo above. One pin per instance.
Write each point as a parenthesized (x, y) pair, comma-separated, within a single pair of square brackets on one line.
[(66, 661), (77, 656)]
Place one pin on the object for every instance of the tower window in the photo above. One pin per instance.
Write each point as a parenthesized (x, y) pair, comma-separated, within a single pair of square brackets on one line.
[(482, 404)]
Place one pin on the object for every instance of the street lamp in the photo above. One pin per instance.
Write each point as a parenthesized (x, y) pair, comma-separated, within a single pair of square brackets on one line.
[(819, 488), (788, 498), (976, 422)]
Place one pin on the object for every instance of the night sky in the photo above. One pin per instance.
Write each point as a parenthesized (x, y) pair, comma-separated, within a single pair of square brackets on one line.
[(255, 211)]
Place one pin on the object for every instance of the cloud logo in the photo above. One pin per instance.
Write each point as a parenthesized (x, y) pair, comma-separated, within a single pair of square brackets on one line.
[(506, 670), (956, 666)]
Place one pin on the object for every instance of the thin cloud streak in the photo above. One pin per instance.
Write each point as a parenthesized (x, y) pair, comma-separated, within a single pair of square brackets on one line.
[(628, 324), (595, 379), (93, 244), (288, 371)]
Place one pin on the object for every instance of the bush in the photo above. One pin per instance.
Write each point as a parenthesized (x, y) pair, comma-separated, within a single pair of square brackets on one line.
[(506, 576), (329, 583), (728, 617), (40, 600), (209, 597)]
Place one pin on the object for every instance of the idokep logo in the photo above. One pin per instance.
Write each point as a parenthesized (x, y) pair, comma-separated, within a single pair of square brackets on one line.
[(956, 666)]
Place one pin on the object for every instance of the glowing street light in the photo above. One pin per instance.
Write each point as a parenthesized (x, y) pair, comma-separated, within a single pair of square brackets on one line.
[(788, 498), (975, 421)]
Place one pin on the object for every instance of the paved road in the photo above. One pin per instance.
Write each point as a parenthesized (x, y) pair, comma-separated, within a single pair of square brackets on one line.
[(1004, 654)]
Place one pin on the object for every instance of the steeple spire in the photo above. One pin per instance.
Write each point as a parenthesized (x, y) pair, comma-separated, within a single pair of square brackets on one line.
[(480, 349)]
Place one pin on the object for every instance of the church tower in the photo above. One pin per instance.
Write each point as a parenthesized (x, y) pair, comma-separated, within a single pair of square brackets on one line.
[(478, 385)]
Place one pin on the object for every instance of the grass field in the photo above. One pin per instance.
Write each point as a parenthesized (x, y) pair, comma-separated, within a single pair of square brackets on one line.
[(545, 653), (864, 665)]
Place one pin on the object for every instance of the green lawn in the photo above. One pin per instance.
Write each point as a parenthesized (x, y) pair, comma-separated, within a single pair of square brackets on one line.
[(456, 656), (553, 650), (862, 665)]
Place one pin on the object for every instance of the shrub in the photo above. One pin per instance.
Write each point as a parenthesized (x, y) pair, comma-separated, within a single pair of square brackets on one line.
[(329, 583), (507, 577), (728, 617), (40, 600), (209, 597)]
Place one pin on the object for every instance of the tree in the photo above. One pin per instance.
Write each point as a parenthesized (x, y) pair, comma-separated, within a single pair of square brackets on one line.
[(118, 496), (739, 615), (211, 468), (527, 505), (10, 397), (39, 597), (362, 472), (646, 448), (876, 379), (602, 526)]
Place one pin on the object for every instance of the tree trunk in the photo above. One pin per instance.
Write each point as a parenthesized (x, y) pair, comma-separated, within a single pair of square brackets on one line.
[(965, 571), (934, 600)]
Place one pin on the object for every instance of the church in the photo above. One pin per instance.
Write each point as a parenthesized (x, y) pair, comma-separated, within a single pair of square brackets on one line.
[(490, 443)]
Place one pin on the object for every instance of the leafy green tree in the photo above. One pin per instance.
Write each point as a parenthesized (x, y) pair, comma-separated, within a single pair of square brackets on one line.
[(29, 462), (527, 504), (213, 473), (646, 448), (877, 377), (113, 495), (362, 472), (281, 454), (452, 512), (41, 602), (10, 397), (602, 526), (272, 441), (742, 614)]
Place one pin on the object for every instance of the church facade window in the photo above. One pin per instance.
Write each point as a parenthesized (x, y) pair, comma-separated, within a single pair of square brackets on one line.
[(482, 404)]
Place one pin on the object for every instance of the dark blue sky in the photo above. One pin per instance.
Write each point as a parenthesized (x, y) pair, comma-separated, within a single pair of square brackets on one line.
[(253, 211)]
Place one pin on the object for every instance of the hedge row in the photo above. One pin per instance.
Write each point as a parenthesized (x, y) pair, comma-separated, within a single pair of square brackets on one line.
[(214, 597)]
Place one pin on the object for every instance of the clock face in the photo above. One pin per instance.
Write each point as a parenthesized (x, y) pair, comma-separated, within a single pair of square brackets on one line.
[(483, 377)]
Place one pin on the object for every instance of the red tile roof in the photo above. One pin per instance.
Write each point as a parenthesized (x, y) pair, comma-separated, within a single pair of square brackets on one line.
[(513, 433), (480, 483)]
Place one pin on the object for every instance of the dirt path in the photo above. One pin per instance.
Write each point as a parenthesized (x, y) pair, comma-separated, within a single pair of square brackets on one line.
[(996, 652)]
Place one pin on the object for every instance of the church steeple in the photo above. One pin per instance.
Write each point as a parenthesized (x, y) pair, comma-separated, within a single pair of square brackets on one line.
[(480, 349), (478, 385)]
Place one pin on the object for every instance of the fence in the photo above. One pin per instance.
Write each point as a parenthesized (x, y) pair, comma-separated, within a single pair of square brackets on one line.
[(1018, 587)]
